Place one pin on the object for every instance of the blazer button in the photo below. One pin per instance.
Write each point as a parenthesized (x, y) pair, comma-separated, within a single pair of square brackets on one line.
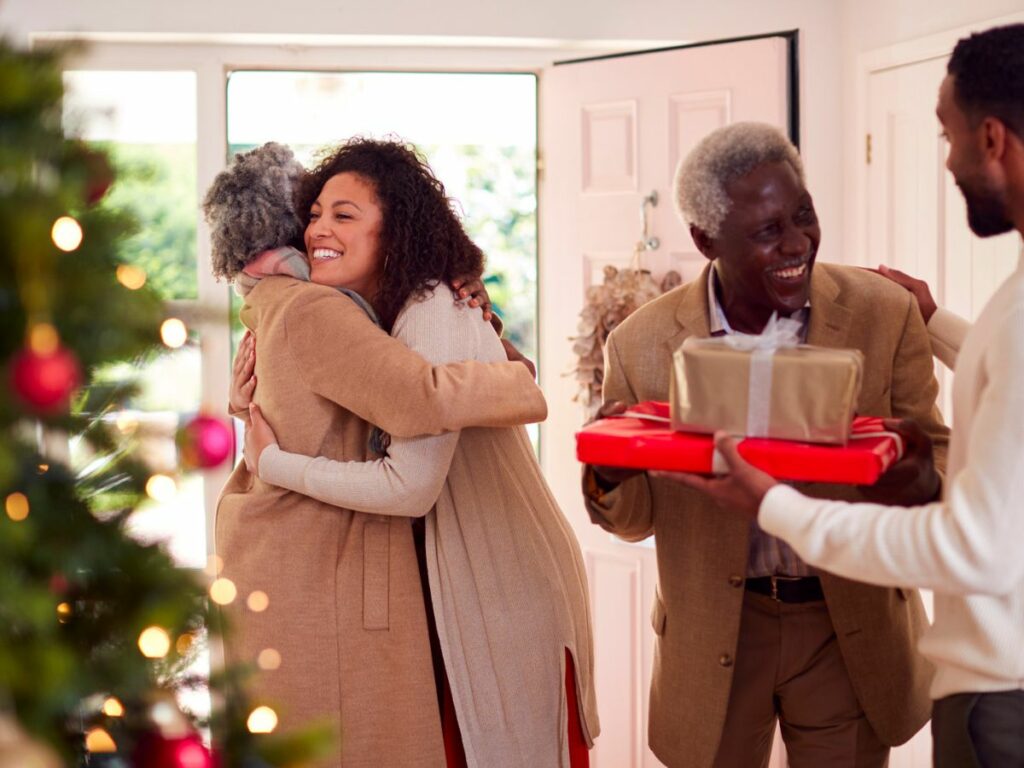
[(725, 660), (735, 581)]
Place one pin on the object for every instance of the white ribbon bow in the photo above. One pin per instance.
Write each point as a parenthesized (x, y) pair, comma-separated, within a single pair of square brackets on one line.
[(778, 333)]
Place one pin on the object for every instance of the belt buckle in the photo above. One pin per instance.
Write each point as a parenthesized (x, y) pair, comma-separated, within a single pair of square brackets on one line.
[(774, 579)]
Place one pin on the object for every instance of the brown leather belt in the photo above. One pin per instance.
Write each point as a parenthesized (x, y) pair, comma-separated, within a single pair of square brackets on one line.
[(787, 589)]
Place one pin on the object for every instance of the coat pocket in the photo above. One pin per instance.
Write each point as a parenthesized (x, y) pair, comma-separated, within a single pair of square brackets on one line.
[(376, 567), (658, 615)]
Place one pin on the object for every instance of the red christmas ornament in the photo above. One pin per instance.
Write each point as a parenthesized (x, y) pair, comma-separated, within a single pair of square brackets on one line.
[(59, 583), (44, 381), (154, 750), (205, 442), (99, 176)]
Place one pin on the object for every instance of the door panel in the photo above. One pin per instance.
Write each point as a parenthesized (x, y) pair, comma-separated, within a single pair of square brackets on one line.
[(612, 132)]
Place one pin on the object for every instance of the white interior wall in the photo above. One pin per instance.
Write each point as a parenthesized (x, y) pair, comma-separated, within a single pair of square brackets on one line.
[(871, 25)]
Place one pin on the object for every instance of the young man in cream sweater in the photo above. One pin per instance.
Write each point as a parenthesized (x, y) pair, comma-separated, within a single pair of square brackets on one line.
[(966, 547)]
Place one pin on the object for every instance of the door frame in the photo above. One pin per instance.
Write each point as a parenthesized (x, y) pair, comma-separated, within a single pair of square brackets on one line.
[(871, 62), (792, 38)]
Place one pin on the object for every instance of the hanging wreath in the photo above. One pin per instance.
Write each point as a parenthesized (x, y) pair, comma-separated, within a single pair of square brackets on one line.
[(607, 305)]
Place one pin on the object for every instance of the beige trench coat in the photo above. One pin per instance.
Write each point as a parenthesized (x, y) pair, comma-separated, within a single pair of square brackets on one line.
[(346, 609), (702, 551)]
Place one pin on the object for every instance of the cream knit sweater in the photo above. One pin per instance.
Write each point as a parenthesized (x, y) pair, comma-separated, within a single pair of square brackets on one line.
[(968, 547)]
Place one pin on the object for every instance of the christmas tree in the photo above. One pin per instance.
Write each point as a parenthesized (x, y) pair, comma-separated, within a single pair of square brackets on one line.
[(97, 630)]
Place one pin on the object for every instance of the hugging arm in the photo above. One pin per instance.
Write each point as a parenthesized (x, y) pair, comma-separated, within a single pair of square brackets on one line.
[(385, 383), (409, 479)]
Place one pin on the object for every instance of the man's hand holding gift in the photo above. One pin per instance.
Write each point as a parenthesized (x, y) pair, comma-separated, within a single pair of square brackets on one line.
[(911, 480)]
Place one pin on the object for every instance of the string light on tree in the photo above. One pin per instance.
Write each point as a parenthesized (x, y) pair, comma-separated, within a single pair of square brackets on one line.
[(161, 488), (262, 720), (269, 659), (223, 591), (130, 276), (97, 740), (258, 601), (16, 505), (154, 642), (173, 332), (183, 643), (66, 233), (112, 707)]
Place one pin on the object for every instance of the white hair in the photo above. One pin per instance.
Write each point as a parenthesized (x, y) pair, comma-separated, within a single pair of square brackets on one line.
[(721, 157)]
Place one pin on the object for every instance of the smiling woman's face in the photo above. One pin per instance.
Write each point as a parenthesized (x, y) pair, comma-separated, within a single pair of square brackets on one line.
[(343, 235)]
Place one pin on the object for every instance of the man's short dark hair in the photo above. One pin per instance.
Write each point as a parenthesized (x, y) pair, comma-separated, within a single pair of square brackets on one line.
[(988, 74)]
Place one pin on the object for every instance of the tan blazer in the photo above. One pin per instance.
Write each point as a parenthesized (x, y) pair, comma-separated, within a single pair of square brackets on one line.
[(702, 550), (346, 607)]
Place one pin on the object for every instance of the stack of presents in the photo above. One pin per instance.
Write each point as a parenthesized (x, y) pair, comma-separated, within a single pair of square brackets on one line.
[(791, 403)]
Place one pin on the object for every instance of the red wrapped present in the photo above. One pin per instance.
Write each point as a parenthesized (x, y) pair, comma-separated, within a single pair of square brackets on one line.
[(644, 439)]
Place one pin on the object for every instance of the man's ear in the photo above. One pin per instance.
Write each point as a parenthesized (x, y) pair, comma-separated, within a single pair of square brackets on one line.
[(993, 136), (705, 244)]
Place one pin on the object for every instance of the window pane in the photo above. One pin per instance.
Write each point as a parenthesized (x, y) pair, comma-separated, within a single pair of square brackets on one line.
[(479, 132), (147, 121)]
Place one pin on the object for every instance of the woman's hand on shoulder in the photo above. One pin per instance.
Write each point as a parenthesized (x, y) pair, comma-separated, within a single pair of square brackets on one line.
[(471, 289), (243, 375), (258, 436)]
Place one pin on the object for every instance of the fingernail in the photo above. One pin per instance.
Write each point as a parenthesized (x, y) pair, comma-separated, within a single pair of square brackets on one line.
[(462, 294)]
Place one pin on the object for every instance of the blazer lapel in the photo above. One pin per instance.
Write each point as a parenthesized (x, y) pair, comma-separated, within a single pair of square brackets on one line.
[(691, 312), (830, 321)]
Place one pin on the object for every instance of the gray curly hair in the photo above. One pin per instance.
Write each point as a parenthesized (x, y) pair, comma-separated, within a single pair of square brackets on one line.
[(250, 207), (720, 157)]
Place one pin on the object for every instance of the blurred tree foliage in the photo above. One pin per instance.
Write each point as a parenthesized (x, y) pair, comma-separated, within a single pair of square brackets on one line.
[(156, 184)]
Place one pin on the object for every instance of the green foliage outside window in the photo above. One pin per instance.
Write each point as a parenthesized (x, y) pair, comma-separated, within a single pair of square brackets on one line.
[(156, 183)]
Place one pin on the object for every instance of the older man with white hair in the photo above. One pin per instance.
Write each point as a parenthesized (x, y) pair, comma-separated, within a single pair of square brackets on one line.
[(748, 634)]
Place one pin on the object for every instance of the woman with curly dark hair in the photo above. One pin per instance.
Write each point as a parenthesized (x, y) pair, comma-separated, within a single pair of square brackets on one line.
[(506, 583)]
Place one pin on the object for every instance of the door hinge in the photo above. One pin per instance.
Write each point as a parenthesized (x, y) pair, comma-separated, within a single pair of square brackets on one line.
[(867, 148), (540, 167)]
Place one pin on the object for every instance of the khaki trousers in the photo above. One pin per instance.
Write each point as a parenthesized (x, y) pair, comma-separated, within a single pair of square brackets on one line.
[(789, 668)]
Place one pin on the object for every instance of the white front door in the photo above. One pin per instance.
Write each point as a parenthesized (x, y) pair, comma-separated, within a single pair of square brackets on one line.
[(612, 132)]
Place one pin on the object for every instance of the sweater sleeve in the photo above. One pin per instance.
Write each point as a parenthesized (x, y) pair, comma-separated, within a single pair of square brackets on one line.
[(946, 331), (969, 543), (345, 358), (409, 479)]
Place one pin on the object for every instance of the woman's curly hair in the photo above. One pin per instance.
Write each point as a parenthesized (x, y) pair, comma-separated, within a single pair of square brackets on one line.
[(421, 238)]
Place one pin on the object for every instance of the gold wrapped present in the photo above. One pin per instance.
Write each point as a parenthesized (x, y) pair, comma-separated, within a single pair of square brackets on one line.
[(765, 386)]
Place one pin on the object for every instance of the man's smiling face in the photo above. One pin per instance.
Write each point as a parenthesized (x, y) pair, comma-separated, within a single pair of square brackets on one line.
[(766, 246)]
